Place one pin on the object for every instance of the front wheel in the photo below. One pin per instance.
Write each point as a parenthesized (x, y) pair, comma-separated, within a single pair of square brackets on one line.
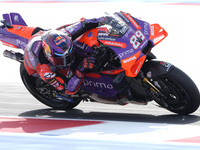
[(181, 93), (42, 92)]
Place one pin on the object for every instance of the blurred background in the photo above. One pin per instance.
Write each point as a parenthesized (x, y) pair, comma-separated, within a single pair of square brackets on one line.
[(179, 18)]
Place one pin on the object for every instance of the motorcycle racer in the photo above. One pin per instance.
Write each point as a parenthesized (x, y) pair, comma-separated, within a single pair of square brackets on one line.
[(51, 55), (123, 64)]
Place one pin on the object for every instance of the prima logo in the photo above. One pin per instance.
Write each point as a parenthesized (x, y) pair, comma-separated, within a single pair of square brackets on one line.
[(97, 84), (146, 28), (127, 52)]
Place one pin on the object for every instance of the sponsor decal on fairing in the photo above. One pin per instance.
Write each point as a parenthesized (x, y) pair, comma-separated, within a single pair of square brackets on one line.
[(97, 84)]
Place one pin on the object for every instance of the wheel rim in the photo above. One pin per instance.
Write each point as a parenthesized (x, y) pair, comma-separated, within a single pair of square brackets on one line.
[(177, 97), (45, 98), (31, 85)]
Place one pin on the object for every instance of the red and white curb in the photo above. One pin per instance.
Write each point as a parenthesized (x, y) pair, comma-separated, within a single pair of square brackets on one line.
[(21, 131)]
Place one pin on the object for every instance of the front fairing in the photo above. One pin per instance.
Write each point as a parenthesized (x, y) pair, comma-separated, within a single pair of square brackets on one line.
[(128, 41)]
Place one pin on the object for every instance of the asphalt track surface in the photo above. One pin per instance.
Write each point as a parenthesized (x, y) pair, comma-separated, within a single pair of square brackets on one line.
[(17, 101), (25, 123)]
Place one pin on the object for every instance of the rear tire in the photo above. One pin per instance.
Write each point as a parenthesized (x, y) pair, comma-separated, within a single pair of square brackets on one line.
[(30, 84)]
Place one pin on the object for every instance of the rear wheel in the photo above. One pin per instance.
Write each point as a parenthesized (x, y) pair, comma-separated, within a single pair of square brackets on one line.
[(181, 94), (44, 92)]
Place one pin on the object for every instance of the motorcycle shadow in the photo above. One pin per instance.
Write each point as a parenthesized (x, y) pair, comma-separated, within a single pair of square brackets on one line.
[(107, 116)]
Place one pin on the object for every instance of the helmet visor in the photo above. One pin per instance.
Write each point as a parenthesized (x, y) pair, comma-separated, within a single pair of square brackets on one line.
[(65, 59)]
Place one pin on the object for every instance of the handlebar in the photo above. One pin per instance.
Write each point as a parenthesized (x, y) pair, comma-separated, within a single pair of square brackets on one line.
[(5, 24)]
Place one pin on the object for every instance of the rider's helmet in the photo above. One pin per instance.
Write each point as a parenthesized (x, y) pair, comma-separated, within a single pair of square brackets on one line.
[(58, 48)]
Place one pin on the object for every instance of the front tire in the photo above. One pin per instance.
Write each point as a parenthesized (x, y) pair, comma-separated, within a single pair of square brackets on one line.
[(182, 94), (30, 83)]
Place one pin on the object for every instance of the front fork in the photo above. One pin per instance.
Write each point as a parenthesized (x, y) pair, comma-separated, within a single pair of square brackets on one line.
[(150, 86)]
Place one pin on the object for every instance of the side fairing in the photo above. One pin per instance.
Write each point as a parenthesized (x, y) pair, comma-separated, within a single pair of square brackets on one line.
[(100, 84)]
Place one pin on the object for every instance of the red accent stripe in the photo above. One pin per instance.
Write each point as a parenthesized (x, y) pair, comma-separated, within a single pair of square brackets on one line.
[(8, 44), (113, 43), (93, 75), (182, 4), (31, 125), (188, 140), (112, 72), (132, 20)]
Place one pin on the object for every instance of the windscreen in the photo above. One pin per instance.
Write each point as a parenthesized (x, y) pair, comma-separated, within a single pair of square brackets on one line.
[(116, 26)]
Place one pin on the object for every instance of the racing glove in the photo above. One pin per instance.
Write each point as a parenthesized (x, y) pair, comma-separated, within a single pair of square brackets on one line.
[(87, 64), (75, 82)]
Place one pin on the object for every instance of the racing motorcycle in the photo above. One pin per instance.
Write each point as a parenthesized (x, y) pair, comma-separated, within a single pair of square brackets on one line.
[(127, 71)]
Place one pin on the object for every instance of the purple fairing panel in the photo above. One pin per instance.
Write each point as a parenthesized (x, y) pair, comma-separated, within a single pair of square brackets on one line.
[(73, 28), (76, 27), (13, 39), (14, 19), (82, 49), (102, 86)]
